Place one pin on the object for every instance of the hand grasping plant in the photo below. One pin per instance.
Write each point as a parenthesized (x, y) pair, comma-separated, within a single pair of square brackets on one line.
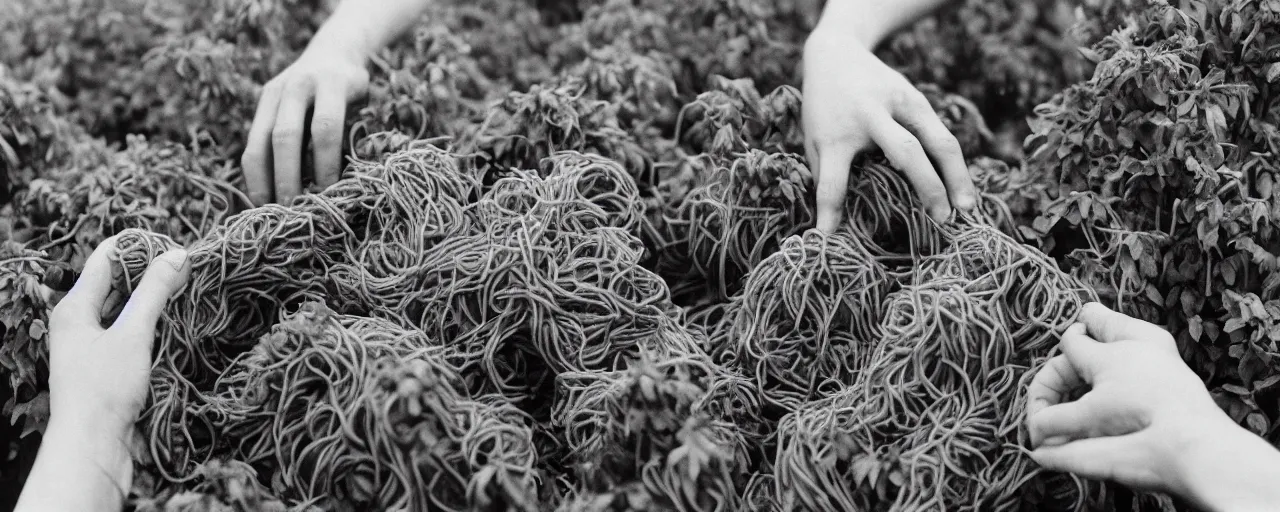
[(329, 74), (853, 101), (98, 383)]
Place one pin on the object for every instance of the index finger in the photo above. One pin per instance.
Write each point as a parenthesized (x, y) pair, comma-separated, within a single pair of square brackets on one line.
[(286, 143), (326, 134), (907, 154), (256, 160), (164, 276), (834, 161), (945, 152), (1056, 381), (1110, 326)]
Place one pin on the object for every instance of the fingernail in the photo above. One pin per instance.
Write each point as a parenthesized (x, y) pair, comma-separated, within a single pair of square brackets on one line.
[(176, 258)]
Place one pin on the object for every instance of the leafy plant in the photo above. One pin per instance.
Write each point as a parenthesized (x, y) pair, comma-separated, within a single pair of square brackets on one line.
[(1160, 172)]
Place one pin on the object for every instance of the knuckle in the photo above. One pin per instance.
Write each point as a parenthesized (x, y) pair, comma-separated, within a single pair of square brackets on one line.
[(297, 82), (165, 266), (285, 133), (61, 313), (326, 128), (919, 104), (949, 145), (830, 197), (909, 146), (274, 85), (905, 97), (1159, 335), (357, 75), (250, 158)]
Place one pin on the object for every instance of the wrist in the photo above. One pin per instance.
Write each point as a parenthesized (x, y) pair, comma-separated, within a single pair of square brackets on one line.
[(827, 49), (842, 36), (344, 40), (104, 446), (849, 22), (1225, 467), (95, 460)]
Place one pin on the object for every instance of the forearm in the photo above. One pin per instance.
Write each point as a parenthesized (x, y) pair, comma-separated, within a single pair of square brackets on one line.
[(871, 21), (1234, 471), (363, 27), (80, 467)]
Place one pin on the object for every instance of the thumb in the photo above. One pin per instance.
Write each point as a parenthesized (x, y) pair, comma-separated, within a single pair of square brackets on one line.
[(1120, 459), (1071, 420), (1110, 326), (163, 278)]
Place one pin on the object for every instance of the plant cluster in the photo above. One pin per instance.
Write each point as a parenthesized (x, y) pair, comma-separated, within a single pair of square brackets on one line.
[(363, 348)]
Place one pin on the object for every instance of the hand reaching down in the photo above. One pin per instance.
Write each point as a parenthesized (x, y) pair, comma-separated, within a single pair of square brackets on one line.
[(853, 102)]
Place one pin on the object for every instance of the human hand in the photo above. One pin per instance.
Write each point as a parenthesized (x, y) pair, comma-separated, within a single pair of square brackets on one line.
[(98, 383), (1145, 412), (329, 74), (852, 101), (99, 378)]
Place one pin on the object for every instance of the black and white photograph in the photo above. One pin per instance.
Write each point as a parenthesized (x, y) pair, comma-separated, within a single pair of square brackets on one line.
[(639, 255)]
